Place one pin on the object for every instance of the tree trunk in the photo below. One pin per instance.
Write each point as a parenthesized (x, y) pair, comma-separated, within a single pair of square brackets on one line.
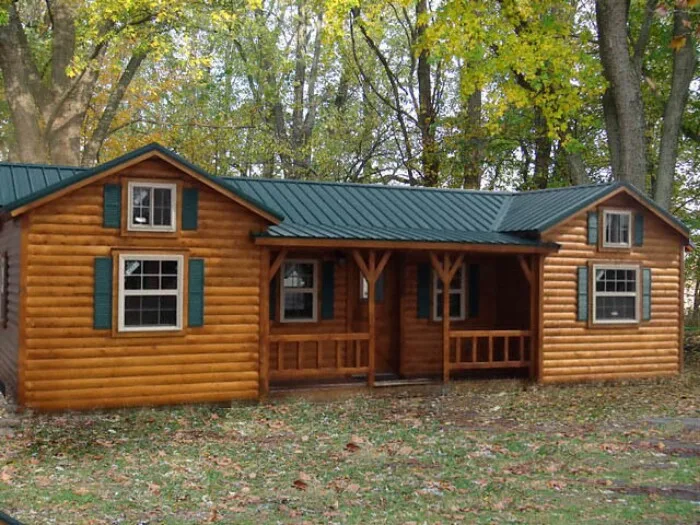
[(472, 145), (684, 64), (543, 151), (426, 110), (625, 91)]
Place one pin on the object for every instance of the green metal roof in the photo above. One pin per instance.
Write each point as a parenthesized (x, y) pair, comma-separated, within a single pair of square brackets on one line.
[(328, 210), (18, 199), (20, 181)]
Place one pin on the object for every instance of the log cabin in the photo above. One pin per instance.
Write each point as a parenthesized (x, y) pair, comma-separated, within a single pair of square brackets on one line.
[(147, 281)]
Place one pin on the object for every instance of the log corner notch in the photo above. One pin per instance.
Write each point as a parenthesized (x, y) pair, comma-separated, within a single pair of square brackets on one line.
[(446, 270), (268, 270), (371, 270)]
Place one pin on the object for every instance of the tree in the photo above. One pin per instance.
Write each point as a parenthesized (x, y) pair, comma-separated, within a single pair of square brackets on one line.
[(51, 57), (625, 67)]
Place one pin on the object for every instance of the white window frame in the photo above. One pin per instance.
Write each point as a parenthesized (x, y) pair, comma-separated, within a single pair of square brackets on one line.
[(628, 214), (313, 290), (179, 292), (462, 291), (131, 226), (637, 294)]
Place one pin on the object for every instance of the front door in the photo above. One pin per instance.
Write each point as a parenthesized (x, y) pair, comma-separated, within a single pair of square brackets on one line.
[(387, 317)]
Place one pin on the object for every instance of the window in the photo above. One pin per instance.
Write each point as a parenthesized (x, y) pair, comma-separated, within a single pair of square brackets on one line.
[(457, 293), (152, 206), (615, 296), (616, 229), (298, 295), (150, 292)]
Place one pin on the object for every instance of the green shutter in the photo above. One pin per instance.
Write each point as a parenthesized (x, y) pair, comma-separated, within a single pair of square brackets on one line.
[(195, 291), (639, 229), (646, 294), (328, 290), (273, 297), (474, 290), (102, 293), (190, 208), (423, 292), (592, 227), (379, 289), (112, 206), (582, 292)]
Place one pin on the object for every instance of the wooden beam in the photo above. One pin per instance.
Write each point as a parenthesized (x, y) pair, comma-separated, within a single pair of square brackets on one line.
[(357, 256), (455, 266), (382, 263), (295, 242), (437, 265), (277, 263), (264, 357), (446, 321), (371, 300), (526, 269)]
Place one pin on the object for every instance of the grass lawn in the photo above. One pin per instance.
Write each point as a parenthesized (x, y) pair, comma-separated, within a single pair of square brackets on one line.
[(479, 452)]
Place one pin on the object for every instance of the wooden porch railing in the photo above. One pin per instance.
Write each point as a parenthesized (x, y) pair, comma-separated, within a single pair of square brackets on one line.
[(343, 354), (474, 349)]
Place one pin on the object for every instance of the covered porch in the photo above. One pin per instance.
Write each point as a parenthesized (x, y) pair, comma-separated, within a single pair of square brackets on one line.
[(378, 311)]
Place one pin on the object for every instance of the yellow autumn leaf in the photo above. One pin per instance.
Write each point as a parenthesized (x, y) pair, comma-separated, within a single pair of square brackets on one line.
[(678, 42)]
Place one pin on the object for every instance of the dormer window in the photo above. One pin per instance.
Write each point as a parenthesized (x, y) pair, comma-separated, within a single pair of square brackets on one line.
[(616, 228), (152, 206)]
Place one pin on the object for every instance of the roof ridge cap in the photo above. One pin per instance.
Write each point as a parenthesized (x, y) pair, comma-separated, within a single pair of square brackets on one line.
[(502, 213)]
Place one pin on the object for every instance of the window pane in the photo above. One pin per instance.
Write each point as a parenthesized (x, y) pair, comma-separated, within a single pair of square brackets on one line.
[(455, 305), (150, 310), (456, 283), (132, 283), (141, 205), (299, 275), (161, 207), (615, 308), (151, 283), (169, 267), (151, 267), (620, 281), (298, 305), (617, 228)]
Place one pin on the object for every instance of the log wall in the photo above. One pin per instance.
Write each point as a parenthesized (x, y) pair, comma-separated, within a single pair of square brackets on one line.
[(576, 351), (10, 242), (69, 364)]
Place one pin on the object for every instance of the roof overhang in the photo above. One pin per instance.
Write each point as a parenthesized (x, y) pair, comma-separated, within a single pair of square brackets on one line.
[(305, 242), (130, 159)]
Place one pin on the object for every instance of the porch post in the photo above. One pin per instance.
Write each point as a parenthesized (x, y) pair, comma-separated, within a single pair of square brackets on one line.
[(370, 316), (446, 272), (264, 351), (371, 271)]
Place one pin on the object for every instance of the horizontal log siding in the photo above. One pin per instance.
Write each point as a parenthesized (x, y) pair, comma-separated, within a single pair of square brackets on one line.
[(71, 365), (573, 351), (10, 239), (503, 304)]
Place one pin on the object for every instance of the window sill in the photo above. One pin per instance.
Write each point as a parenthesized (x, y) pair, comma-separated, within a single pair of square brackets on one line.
[(175, 332), (617, 324)]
